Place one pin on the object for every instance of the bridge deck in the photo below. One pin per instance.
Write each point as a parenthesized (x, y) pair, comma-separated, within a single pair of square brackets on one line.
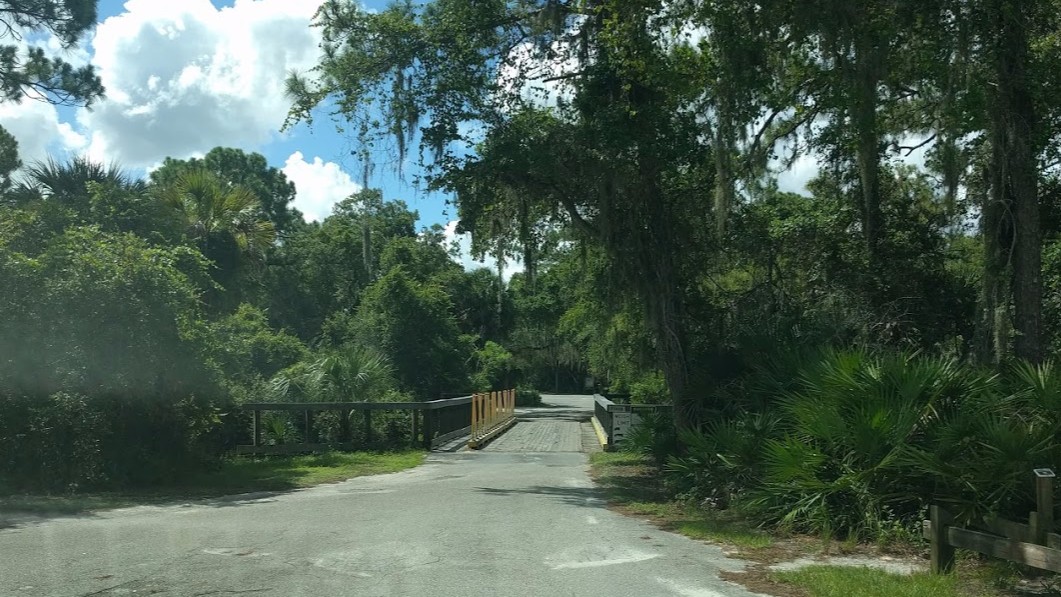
[(539, 436), (560, 425)]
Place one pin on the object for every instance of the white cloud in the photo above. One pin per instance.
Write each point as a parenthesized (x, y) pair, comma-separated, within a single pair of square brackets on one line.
[(464, 242), (319, 185), (536, 76), (36, 126), (184, 77), (794, 179)]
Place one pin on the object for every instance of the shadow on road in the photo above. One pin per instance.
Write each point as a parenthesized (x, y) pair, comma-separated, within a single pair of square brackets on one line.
[(557, 414), (589, 497), (81, 508)]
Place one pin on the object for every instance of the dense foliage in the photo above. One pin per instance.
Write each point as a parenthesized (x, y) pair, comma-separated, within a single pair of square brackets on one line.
[(628, 152), (138, 315), (837, 357)]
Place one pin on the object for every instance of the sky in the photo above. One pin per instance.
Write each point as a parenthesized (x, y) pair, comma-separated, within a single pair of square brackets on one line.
[(185, 76)]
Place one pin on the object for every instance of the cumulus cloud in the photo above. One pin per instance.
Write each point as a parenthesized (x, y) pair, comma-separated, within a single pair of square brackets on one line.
[(794, 180), (319, 185), (464, 243), (36, 126), (183, 77)]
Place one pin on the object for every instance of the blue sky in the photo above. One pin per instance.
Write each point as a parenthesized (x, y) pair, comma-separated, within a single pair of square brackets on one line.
[(166, 64)]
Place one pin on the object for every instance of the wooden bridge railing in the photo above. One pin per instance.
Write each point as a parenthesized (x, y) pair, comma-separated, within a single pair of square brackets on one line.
[(492, 414), (433, 423)]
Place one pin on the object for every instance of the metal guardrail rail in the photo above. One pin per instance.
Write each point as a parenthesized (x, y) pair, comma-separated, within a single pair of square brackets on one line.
[(613, 421)]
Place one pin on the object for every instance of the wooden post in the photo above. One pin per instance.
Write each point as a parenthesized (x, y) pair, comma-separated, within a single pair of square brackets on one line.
[(475, 416), (1042, 520), (416, 419), (309, 427), (344, 426), (368, 428), (257, 427), (942, 553), (429, 418)]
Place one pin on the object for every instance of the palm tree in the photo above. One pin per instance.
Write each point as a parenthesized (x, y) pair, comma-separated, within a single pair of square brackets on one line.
[(227, 224), (215, 212), (68, 182), (349, 374)]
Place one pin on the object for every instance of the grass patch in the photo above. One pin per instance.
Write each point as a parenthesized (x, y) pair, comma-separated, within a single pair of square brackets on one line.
[(234, 475), (633, 486), (842, 581)]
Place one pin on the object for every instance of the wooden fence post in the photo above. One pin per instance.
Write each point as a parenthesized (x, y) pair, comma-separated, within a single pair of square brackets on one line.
[(429, 419), (942, 553), (416, 427), (368, 428), (257, 428), (1042, 520), (344, 426), (309, 427)]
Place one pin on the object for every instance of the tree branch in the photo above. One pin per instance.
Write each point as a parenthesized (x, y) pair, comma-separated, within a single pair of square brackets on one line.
[(912, 148), (581, 223)]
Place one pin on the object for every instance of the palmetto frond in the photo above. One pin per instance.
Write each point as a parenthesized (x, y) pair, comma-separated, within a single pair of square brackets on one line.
[(350, 373), (68, 182), (210, 207)]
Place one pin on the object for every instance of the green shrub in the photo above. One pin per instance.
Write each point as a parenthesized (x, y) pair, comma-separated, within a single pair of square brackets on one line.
[(105, 377), (655, 437), (493, 367), (861, 443), (650, 388), (528, 397)]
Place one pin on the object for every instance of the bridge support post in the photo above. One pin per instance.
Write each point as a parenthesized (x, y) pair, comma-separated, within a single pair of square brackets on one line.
[(429, 420)]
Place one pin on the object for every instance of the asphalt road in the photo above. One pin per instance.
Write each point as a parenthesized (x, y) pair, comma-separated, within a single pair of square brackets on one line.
[(467, 523)]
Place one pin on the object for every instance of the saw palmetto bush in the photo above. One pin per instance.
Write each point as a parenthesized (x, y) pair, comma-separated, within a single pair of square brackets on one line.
[(977, 459), (836, 464), (855, 443)]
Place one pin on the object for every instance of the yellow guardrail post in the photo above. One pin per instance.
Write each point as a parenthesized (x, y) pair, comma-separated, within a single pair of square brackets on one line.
[(492, 413), (475, 419)]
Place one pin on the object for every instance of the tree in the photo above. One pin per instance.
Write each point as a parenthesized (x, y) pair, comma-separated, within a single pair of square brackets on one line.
[(321, 268), (1014, 203), (27, 71), (68, 183), (102, 371), (247, 348), (53, 196), (603, 168), (9, 161), (224, 222), (344, 374), (413, 322), (250, 171)]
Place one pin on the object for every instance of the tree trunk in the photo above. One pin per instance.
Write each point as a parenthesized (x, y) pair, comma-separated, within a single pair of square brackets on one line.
[(663, 302), (1014, 169), (993, 326), (867, 73), (722, 151)]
